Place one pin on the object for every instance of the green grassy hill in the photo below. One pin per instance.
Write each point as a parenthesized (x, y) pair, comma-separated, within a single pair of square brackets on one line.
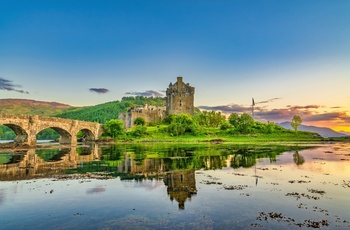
[(110, 110), (99, 113), (32, 107)]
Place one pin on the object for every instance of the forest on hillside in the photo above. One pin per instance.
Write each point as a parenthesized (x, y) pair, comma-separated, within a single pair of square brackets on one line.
[(110, 110)]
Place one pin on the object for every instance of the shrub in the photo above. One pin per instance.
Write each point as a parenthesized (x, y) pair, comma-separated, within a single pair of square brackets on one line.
[(225, 125), (169, 119), (140, 121), (140, 131), (182, 123), (152, 124), (114, 128)]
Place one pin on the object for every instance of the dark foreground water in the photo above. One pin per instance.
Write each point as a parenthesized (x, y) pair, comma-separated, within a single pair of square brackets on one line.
[(176, 187)]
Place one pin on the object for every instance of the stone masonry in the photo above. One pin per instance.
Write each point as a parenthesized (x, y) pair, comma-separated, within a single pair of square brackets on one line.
[(179, 99), (26, 127), (149, 113)]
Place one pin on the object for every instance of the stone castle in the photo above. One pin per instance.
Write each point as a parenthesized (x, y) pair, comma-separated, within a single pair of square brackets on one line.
[(179, 99)]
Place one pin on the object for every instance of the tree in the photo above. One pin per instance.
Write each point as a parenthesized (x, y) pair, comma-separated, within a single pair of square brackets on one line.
[(245, 123), (234, 119), (114, 127), (210, 119), (139, 121), (296, 121)]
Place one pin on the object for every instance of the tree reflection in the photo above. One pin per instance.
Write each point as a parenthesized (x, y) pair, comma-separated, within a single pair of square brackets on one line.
[(297, 158)]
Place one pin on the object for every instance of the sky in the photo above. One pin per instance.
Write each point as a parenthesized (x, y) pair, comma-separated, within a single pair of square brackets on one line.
[(291, 56)]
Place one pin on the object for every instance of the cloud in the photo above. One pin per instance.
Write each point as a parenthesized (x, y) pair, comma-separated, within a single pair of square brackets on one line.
[(310, 114), (99, 90), (304, 107), (9, 86), (232, 108), (147, 93), (268, 101), (335, 116)]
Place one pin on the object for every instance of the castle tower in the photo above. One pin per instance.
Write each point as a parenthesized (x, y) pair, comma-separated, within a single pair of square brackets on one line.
[(180, 98)]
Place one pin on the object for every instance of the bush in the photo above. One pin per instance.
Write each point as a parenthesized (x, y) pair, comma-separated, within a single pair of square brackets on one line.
[(152, 124), (225, 125), (231, 131), (140, 131), (270, 127), (182, 123), (169, 119), (114, 128), (139, 121)]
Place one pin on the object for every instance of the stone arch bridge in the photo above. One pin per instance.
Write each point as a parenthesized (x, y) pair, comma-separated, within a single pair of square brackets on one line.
[(26, 127)]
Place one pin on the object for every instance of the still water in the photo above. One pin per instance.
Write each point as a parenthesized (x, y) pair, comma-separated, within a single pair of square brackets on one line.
[(157, 186)]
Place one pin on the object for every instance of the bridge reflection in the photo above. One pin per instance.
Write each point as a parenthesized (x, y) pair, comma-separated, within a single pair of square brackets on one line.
[(43, 163), (29, 164)]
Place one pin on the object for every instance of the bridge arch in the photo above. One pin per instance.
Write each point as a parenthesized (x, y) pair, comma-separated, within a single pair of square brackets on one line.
[(26, 127), (21, 134), (65, 136), (88, 135)]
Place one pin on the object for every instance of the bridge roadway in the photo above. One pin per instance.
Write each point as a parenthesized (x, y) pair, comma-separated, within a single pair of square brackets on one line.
[(26, 127)]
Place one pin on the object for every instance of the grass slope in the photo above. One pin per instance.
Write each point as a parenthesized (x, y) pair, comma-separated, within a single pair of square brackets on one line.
[(32, 107), (215, 135)]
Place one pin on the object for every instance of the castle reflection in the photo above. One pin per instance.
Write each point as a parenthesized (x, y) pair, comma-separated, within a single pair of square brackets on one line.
[(181, 185), (175, 166)]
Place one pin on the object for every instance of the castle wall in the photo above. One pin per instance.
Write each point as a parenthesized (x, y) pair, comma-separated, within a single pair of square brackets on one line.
[(149, 113)]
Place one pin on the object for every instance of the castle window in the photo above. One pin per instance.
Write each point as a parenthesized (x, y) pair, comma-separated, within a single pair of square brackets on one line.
[(180, 103)]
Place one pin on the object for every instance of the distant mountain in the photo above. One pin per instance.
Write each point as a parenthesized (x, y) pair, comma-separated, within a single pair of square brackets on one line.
[(323, 131), (32, 107), (346, 133)]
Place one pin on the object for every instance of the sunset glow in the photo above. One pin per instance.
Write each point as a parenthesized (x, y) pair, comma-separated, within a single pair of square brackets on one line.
[(291, 56)]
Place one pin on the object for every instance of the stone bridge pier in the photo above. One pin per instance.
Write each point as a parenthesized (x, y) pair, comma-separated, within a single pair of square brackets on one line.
[(26, 128)]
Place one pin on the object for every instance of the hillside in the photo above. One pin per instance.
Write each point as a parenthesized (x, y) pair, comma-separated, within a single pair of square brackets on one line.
[(323, 131), (99, 113), (32, 107), (110, 110)]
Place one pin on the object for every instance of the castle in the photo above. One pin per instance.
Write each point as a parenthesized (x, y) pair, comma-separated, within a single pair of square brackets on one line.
[(179, 99)]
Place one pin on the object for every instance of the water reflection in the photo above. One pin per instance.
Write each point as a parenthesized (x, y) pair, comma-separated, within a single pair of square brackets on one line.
[(181, 185), (174, 165), (98, 189), (134, 161), (298, 159)]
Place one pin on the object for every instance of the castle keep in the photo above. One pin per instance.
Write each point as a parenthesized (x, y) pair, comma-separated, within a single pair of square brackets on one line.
[(179, 99)]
